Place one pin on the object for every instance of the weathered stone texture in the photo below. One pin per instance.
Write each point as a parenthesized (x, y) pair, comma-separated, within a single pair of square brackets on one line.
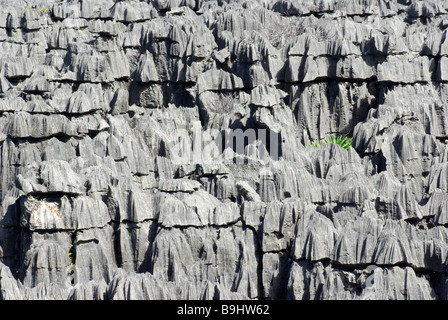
[(103, 195)]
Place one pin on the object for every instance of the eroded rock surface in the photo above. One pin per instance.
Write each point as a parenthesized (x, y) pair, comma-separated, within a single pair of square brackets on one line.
[(106, 194)]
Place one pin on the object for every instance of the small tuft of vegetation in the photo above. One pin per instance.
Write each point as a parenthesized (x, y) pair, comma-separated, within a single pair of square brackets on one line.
[(41, 12), (343, 141), (224, 103), (44, 11), (72, 254)]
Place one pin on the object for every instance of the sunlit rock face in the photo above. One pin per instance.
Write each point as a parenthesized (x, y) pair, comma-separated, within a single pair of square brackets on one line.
[(173, 149)]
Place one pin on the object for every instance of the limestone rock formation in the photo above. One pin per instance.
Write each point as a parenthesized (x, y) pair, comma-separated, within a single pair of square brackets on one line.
[(154, 149)]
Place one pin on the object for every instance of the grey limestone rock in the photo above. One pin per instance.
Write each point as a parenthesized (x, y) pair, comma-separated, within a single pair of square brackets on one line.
[(10, 288), (92, 290), (119, 179)]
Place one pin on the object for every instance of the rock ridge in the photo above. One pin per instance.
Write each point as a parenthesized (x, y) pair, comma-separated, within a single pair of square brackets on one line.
[(106, 194)]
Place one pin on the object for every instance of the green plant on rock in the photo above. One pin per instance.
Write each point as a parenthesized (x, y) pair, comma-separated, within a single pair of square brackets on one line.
[(35, 197), (44, 11), (343, 141), (72, 252), (41, 12)]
